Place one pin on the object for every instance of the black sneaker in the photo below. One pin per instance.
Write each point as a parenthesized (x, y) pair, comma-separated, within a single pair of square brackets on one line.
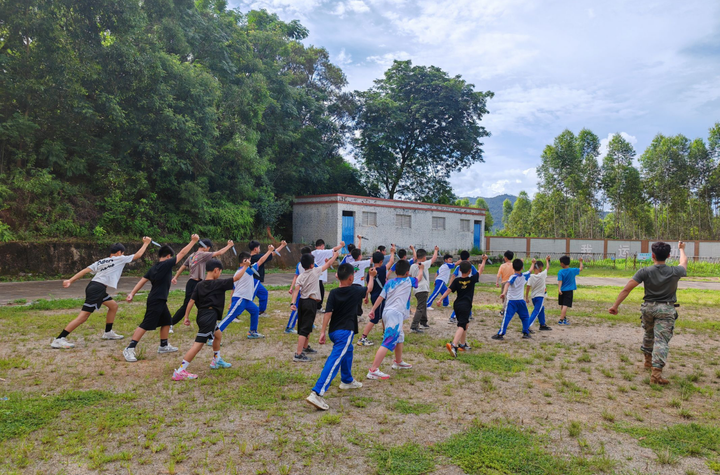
[(526, 336), (424, 326), (498, 336), (309, 351), (532, 332), (416, 330), (545, 328), (464, 347), (301, 358)]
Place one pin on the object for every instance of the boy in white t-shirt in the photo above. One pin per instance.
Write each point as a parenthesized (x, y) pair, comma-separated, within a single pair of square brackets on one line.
[(321, 255), (421, 293), (513, 294), (107, 274), (243, 295), (536, 290), (396, 294)]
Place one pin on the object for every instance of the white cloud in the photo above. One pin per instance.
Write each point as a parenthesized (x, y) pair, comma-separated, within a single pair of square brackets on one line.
[(344, 58), (388, 58), (351, 6), (605, 141)]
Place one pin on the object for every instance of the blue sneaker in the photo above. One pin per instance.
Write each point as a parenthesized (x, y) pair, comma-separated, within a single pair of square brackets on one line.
[(219, 364), (290, 330), (254, 335)]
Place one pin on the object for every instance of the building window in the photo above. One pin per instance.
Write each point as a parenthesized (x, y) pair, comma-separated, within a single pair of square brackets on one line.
[(465, 225), (438, 223), (369, 219), (403, 221)]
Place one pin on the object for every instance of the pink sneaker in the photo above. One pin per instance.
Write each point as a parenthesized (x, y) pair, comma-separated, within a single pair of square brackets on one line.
[(182, 375)]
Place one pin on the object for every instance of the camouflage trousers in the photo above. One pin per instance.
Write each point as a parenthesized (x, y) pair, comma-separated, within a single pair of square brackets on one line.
[(658, 321)]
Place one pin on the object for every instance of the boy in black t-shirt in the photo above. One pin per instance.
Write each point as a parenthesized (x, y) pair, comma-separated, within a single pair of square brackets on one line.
[(157, 313), (341, 314), (464, 286), (209, 296), (382, 270)]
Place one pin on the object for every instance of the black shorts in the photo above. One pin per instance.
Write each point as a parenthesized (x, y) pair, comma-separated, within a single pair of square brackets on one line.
[(565, 299), (378, 311), (462, 314), (95, 295), (306, 316), (156, 315), (207, 320)]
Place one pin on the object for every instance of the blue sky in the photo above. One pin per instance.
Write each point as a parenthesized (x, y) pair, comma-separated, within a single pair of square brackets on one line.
[(636, 68)]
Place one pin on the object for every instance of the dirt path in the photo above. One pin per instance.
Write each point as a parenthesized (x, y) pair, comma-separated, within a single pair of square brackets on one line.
[(53, 289)]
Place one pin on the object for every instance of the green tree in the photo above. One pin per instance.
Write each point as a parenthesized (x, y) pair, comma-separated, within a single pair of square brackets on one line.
[(519, 222), (415, 126), (507, 210), (489, 221)]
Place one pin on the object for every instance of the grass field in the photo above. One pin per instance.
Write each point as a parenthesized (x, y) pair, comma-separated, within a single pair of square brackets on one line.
[(572, 401)]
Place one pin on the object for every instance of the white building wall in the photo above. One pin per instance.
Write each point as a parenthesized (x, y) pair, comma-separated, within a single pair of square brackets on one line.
[(708, 249), (313, 222), (675, 253), (546, 246), (587, 246), (502, 244)]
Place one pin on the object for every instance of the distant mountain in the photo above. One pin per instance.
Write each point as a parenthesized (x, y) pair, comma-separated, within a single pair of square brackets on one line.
[(496, 207)]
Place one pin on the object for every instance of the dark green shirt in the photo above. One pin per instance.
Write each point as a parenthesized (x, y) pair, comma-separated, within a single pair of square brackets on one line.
[(660, 281)]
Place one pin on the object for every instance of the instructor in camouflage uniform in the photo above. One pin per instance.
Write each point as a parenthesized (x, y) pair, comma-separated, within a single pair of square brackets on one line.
[(658, 310)]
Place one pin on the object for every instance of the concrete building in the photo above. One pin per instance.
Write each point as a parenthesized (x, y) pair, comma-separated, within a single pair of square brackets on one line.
[(339, 217)]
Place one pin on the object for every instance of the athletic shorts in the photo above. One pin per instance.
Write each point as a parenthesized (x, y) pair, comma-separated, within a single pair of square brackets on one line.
[(462, 313), (378, 311), (95, 295), (156, 315), (393, 329), (207, 320), (307, 310), (565, 299)]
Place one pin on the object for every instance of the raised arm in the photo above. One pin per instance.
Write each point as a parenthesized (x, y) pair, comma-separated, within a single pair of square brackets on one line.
[(359, 241), (581, 264), (547, 263), (330, 261), (632, 283), (135, 290), (183, 252), (281, 246), (267, 255), (482, 265), (225, 249), (434, 256), (79, 275), (146, 243), (243, 268), (339, 246), (683, 256), (371, 279), (412, 248), (389, 265), (421, 274)]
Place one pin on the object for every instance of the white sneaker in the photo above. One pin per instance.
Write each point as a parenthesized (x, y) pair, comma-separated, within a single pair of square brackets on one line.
[(61, 343), (111, 335), (314, 400), (167, 349), (129, 354), (263, 315), (171, 330), (354, 385), (377, 374), (401, 365), (430, 308), (364, 342)]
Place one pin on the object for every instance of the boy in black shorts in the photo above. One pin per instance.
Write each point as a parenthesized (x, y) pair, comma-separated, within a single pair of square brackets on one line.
[(157, 313), (107, 274), (209, 296), (308, 286), (567, 286), (464, 286)]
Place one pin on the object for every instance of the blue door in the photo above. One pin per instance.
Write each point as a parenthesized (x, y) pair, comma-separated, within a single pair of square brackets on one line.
[(348, 229), (477, 234)]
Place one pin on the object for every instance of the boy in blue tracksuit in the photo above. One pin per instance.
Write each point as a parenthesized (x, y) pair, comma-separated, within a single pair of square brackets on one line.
[(382, 269), (260, 291), (513, 291), (441, 281), (464, 256), (566, 287), (341, 316)]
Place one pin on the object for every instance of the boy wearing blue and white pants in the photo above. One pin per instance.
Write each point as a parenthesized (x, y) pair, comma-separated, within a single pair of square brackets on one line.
[(259, 289), (341, 316), (536, 291), (513, 293), (441, 281), (243, 294)]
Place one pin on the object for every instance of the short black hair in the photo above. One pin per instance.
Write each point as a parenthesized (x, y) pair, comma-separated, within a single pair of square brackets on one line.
[(661, 250), (378, 257), (517, 265), (206, 243), (117, 247), (243, 255), (356, 253), (213, 264), (565, 260), (381, 248), (464, 255), (305, 250), (402, 253), (350, 247), (447, 256), (509, 255), (465, 267), (319, 243), (402, 267), (252, 245), (166, 251), (539, 264), (307, 261), (345, 271), (421, 253)]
